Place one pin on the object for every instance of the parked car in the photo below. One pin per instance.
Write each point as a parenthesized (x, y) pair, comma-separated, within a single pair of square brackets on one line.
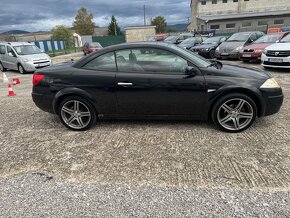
[(158, 37), (171, 83), (208, 46), (277, 55), (253, 52), (230, 49), (176, 39), (191, 42), (22, 56), (91, 47)]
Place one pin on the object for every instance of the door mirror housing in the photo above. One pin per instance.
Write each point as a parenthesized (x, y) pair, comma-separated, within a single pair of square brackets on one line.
[(11, 54), (190, 71)]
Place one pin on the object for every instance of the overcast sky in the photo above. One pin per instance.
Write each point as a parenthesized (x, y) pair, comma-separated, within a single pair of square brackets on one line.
[(36, 15)]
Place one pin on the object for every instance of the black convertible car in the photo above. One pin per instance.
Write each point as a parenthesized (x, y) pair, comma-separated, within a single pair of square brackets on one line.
[(121, 82)]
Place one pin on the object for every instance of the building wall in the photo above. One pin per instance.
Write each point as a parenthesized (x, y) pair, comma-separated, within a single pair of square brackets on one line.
[(139, 34), (240, 6)]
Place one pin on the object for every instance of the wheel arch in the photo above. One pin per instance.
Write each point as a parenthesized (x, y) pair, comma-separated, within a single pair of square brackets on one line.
[(252, 93)]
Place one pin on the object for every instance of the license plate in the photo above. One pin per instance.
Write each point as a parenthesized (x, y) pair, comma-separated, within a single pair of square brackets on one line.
[(275, 60), (247, 55), (225, 54), (42, 65)]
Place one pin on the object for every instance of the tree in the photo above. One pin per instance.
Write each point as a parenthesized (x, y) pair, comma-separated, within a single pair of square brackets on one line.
[(64, 34), (113, 27), (171, 30), (83, 23), (160, 23)]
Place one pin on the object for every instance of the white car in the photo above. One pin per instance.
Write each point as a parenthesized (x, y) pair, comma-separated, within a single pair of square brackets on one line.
[(277, 55)]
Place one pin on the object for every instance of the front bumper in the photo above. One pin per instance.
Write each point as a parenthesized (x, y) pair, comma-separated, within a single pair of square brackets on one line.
[(204, 53), (275, 62), (273, 100), (230, 55), (250, 56), (31, 66)]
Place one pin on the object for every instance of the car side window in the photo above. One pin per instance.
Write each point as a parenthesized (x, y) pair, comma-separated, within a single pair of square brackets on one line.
[(2, 49), (150, 60), (104, 62), (9, 49)]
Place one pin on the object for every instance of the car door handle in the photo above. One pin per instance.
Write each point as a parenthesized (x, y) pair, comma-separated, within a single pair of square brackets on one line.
[(124, 84)]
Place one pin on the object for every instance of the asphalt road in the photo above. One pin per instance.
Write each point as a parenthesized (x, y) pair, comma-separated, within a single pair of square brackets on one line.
[(135, 168)]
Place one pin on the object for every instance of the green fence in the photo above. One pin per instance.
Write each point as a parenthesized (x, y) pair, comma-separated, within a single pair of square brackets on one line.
[(109, 40)]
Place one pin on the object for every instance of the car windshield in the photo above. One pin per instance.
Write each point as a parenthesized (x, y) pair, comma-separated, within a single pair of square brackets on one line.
[(202, 62), (188, 41), (212, 40), (239, 37), (268, 38), (27, 49), (171, 38), (286, 38), (96, 45)]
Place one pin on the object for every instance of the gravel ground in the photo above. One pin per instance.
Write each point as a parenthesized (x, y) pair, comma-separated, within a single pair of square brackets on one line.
[(134, 168)]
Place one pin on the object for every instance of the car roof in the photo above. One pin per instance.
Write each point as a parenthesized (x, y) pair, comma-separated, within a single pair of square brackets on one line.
[(16, 43)]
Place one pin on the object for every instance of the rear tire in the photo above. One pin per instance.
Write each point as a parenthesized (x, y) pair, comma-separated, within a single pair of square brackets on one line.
[(2, 68), (21, 69), (234, 112), (212, 54), (76, 113)]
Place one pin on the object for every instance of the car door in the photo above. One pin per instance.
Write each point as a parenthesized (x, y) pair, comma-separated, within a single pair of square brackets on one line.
[(11, 59), (2, 55), (156, 84), (98, 78)]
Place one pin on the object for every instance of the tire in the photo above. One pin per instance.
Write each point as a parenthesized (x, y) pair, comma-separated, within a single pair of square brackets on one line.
[(212, 54), (76, 113), (2, 68), (234, 112), (85, 53), (21, 69)]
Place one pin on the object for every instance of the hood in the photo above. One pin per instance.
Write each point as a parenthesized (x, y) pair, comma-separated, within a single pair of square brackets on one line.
[(241, 72), (231, 45), (279, 47), (259, 46), (186, 45), (36, 57), (205, 46)]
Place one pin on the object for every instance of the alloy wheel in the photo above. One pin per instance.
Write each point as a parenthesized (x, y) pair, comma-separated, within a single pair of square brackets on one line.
[(21, 70), (76, 114), (235, 114)]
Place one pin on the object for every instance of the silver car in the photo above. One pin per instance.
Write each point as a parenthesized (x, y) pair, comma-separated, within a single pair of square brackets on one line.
[(22, 56)]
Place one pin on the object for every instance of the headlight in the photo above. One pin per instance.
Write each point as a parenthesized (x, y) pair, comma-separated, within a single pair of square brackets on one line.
[(259, 50), (270, 84), (205, 49), (218, 48), (239, 48), (265, 51)]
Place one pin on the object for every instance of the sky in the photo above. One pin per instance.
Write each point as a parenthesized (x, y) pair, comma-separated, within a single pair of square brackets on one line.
[(43, 15)]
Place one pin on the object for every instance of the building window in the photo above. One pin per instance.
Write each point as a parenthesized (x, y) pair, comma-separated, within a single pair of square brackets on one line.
[(246, 24), (203, 3), (246, 0), (215, 27), (230, 25), (214, 1), (235, 0), (278, 21), (262, 23), (225, 1)]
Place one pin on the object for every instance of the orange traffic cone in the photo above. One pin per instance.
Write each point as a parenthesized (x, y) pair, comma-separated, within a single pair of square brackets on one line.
[(16, 81), (5, 78), (10, 90)]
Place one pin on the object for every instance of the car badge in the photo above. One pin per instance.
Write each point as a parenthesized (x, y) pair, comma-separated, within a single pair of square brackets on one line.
[(276, 53)]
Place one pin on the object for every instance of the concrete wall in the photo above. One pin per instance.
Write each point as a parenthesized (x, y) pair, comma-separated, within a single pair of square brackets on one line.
[(139, 34)]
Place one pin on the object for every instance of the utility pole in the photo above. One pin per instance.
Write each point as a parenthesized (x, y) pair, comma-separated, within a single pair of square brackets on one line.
[(144, 15), (115, 27)]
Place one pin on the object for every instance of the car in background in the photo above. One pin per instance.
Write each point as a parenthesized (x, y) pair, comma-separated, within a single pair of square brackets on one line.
[(208, 46), (22, 56), (158, 37), (253, 52), (191, 42), (177, 39), (170, 83), (91, 47), (277, 55), (230, 49)]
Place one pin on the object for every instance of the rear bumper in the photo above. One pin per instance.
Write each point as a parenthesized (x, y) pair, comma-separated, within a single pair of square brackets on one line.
[(43, 102), (273, 100)]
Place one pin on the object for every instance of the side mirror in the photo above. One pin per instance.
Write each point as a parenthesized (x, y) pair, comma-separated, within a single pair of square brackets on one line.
[(190, 72), (218, 64), (11, 54)]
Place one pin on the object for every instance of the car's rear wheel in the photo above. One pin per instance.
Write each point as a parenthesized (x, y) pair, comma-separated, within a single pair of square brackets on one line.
[(234, 112), (2, 68), (77, 113), (21, 69)]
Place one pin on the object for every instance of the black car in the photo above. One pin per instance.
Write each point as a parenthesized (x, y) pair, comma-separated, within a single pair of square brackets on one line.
[(119, 82), (191, 42), (208, 46)]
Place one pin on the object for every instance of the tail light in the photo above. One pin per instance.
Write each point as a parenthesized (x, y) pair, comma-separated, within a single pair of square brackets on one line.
[(37, 79)]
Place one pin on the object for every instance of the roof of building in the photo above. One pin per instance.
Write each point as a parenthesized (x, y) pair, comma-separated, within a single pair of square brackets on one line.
[(16, 43), (243, 15)]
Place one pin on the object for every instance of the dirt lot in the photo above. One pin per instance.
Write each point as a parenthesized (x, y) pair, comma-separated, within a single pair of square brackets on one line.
[(150, 153)]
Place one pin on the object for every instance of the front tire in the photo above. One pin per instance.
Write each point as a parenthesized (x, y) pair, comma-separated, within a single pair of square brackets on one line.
[(234, 112), (77, 113), (2, 68), (21, 69), (212, 54)]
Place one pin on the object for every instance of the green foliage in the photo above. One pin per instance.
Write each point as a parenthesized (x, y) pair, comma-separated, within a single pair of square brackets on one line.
[(64, 34), (171, 30), (83, 23), (160, 23), (114, 28)]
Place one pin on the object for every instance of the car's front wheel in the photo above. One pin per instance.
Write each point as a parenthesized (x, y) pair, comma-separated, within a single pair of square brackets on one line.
[(212, 54), (77, 113), (234, 112), (21, 69)]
